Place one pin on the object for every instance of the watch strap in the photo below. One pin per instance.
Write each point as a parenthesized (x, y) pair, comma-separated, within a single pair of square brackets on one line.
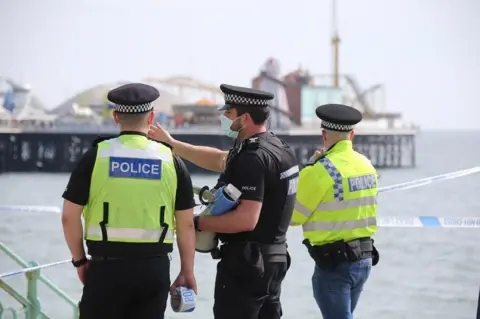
[(80, 262), (196, 223)]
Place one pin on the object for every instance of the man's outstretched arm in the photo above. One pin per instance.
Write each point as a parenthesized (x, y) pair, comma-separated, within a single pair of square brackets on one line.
[(209, 158), (205, 157)]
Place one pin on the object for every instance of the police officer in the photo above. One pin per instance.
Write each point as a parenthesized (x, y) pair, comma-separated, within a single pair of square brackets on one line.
[(254, 258), (130, 190), (336, 205)]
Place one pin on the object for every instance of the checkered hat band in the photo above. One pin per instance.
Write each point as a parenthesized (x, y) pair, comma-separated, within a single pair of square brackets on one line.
[(336, 127), (237, 99), (141, 108)]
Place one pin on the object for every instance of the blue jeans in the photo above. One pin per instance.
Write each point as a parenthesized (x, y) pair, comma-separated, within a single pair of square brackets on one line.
[(337, 292)]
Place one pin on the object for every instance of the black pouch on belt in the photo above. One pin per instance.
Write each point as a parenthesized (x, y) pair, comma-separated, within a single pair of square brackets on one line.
[(329, 256), (254, 258), (375, 255)]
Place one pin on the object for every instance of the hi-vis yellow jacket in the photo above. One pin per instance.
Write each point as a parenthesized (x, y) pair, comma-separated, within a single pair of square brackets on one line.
[(137, 178), (337, 197)]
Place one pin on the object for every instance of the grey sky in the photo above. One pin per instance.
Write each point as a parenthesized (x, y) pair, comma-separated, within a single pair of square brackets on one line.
[(423, 50)]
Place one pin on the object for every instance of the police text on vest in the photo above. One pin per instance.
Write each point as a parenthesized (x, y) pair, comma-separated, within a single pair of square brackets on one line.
[(127, 167), (361, 183)]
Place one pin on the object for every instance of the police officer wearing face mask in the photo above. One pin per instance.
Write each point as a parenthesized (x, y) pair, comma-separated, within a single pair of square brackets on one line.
[(254, 258)]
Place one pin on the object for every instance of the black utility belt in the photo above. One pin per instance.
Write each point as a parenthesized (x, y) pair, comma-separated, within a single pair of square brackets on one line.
[(123, 250), (107, 258), (329, 256), (252, 256), (270, 252)]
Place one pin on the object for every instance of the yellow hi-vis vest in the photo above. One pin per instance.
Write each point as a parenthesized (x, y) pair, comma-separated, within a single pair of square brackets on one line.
[(337, 197), (137, 178)]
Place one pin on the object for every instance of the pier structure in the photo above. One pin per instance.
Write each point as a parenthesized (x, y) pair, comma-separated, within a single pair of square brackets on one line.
[(24, 151)]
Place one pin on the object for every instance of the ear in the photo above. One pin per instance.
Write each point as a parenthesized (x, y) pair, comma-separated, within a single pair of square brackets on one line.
[(151, 117), (324, 135), (247, 118), (352, 133), (115, 117)]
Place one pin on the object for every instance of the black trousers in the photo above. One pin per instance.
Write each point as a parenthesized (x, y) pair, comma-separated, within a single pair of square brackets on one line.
[(126, 288), (241, 293)]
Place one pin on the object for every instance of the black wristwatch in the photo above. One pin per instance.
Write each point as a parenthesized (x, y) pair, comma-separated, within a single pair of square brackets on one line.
[(195, 223), (80, 262)]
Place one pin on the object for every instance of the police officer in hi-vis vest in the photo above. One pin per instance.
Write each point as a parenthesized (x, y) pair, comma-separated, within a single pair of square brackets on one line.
[(336, 205), (132, 192)]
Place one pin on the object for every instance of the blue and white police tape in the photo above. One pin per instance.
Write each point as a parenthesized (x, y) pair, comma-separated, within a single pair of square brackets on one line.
[(384, 221), (183, 300), (392, 188), (33, 268), (429, 180), (30, 209), (428, 222)]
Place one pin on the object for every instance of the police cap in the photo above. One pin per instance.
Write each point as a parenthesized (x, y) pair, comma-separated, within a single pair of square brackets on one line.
[(242, 96), (133, 98), (338, 117)]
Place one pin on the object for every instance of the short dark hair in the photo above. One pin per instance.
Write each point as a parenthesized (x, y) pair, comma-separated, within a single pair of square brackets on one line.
[(259, 115), (130, 119)]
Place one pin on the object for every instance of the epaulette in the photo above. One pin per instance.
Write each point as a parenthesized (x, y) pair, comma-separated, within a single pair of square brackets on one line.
[(311, 162), (165, 144), (168, 145), (101, 139), (252, 143)]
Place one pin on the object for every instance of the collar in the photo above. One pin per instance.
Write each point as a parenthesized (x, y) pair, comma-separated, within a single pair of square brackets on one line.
[(132, 133), (251, 139), (261, 135), (254, 135), (340, 146)]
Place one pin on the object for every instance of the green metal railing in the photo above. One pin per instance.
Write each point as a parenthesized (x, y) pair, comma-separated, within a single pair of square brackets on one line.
[(30, 306)]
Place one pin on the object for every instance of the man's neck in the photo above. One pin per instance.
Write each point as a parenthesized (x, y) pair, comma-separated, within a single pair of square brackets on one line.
[(134, 129), (331, 144), (244, 134)]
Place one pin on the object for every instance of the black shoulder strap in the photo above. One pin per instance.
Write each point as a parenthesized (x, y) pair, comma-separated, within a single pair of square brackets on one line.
[(102, 138), (163, 143)]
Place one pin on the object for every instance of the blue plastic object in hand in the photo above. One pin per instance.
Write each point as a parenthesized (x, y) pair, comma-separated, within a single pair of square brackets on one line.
[(223, 202)]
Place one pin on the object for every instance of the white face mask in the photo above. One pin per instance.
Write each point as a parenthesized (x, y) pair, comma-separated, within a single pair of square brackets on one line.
[(227, 126)]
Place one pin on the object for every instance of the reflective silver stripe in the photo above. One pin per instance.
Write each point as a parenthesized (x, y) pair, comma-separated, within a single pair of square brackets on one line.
[(129, 233), (119, 150), (346, 204), (302, 209), (335, 175), (336, 226), (289, 172)]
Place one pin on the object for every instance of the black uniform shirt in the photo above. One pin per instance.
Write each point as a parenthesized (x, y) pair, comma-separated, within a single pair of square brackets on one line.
[(78, 188), (249, 175), (256, 173)]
